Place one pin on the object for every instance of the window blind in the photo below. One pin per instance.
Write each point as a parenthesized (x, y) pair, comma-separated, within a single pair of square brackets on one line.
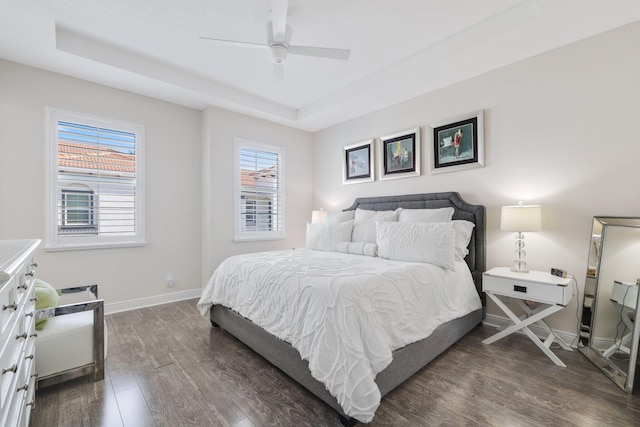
[(261, 201), (96, 180)]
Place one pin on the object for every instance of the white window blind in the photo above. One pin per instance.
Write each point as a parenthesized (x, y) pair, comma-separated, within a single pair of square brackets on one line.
[(259, 198), (96, 182)]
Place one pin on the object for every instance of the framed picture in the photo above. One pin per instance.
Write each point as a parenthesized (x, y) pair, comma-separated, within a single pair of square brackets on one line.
[(458, 144), (400, 154), (357, 163)]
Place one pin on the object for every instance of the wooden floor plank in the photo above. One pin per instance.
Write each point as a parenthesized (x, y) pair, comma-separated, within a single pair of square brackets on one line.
[(166, 366)]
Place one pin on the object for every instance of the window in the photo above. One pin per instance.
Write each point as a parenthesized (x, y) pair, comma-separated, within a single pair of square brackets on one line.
[(77, 212), (259, 191), (95, 181)]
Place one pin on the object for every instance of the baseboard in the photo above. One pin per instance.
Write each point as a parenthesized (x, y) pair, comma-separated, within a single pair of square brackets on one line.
[(149, 301), (503, 322)]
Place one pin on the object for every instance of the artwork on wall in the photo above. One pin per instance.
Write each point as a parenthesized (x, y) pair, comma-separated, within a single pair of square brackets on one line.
[(458, 144), (400, 154), (357, 163)]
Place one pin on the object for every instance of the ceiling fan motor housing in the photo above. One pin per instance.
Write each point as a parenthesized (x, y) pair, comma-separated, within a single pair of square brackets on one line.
[(278, 53)]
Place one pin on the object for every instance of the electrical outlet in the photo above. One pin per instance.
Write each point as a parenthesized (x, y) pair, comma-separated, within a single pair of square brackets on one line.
[(170, 281)]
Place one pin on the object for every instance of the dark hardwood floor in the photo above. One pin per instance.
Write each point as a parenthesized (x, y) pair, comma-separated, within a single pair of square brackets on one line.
[(166, 366)]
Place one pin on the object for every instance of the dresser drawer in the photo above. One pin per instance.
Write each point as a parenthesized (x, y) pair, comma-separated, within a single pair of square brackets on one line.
[(527, 290), (8, 309), (11, 362)]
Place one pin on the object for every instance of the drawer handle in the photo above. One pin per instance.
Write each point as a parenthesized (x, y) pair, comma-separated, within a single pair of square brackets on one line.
[(34, 299), (517, 288), (29, 314), (24, 387), (10, 306), (23, 287), (22, 336), (12, 369), (31, 403), (34, 335), (29, 357), (34, 264), (35, 375), (29, 274)]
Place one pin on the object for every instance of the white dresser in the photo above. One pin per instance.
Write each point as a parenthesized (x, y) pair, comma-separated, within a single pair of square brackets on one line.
[(17, 331)]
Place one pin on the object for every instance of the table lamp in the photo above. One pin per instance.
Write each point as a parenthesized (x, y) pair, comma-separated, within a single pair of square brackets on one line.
[(521, 218), (318, 216)]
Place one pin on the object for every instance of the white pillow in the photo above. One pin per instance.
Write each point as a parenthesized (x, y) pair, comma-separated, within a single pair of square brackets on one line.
[(364, 227), (417, 242), (358, 248), (463, 231), (323, 236), (339, 216), (426, 215)]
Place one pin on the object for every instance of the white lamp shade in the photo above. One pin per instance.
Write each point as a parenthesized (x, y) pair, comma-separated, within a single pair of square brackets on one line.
[(318, 216), (521, 218)]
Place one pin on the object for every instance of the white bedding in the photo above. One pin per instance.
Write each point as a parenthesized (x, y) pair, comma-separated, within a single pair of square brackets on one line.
[(344, 313)]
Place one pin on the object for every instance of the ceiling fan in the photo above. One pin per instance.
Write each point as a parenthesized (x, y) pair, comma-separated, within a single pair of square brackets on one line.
[(279, 39)]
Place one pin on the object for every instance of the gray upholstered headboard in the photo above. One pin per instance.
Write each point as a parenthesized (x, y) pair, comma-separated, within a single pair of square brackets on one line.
[(462, 210)]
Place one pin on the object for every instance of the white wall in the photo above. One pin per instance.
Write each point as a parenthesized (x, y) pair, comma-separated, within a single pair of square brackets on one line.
[(559, 131), (219, 127), (173, 170)]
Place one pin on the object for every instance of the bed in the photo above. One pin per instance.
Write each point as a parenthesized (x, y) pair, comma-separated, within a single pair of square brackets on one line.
[(401, 362)]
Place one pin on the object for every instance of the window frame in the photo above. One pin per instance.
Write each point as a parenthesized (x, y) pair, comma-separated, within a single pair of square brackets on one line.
[(54, 241), (240, 235)]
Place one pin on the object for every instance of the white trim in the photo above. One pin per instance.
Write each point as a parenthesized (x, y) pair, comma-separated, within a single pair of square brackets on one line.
[(248, 236), (134, 304), (500, 322), (54, 242), (105, 245)]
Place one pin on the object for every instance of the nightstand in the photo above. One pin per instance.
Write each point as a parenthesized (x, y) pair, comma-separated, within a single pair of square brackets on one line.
[(552, 294)]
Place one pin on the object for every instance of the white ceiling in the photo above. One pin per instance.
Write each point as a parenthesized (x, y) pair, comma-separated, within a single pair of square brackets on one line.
[(399, 49)]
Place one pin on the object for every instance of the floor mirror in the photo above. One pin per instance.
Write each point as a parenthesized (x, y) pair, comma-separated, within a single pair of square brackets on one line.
[(609, 333)]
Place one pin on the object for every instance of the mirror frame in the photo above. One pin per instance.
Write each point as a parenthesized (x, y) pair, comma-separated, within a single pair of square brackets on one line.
[(625, 381)]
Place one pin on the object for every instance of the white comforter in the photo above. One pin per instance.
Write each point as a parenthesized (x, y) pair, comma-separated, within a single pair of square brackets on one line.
[(344, 313)]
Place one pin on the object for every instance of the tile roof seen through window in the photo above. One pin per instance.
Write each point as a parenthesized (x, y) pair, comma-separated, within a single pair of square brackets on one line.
[(95, 157), (250, 178)]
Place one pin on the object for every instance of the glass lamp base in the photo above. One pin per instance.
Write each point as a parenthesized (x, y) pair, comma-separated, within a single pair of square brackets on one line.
[(519, 266)]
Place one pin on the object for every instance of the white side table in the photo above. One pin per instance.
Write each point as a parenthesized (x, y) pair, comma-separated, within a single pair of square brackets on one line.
[(552, 292)]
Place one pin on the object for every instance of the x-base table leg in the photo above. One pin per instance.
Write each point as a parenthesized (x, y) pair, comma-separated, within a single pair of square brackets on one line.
[(523, 324)]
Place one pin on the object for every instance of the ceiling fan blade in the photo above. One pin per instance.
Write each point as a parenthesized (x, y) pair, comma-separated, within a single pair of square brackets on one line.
[(322, 52), (236, 42), (279, 19)]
